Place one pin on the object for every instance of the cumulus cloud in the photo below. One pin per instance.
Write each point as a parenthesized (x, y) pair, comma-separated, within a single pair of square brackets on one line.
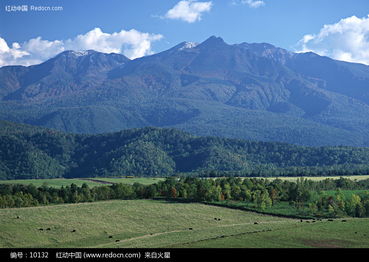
[(249, 3), (132, 44), (347, 40), (188, 10)]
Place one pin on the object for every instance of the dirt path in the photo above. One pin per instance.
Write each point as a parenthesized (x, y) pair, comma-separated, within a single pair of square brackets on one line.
[(98, 181)]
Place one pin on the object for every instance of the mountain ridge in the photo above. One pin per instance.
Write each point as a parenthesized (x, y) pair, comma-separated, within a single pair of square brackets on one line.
[(249, 91)]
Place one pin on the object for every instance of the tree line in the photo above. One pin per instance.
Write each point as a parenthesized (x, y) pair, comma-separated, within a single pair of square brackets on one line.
[(31, 153), (305, 195)]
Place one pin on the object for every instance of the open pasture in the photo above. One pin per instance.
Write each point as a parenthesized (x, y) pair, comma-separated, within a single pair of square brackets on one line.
[(152, 223), (55, 182), (318, 178), (91, 182), (132, 180)]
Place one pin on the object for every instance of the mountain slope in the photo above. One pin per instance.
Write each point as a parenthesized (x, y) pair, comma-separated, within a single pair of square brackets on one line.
[(68, 73), (34, 152), (248, 91)]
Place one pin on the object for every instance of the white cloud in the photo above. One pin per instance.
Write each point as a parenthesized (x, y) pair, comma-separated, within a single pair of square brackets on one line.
[(253, 3), (131, 43), (249, 3), (347, 40), (188, 10)]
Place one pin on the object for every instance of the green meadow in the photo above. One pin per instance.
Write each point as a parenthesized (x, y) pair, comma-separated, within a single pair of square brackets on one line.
[(98, 181), (91, 182), (55, 182), (132, 180), (318, 178), (153, 223)]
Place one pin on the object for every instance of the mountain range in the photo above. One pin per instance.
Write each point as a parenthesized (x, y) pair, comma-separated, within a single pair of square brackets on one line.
[(248, 91)]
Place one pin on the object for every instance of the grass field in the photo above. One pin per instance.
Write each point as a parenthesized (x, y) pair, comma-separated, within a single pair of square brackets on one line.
[(337, 234), (152, 223), (58, 182), (282, 208), (318, 178), (140, 180), (91, 182), (55, 182)]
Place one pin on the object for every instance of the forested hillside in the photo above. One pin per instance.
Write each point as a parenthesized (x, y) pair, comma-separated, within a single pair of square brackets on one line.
[(33, 152)]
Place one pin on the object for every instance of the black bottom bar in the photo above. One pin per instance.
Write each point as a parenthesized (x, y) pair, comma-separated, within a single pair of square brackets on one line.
[(162, 254)]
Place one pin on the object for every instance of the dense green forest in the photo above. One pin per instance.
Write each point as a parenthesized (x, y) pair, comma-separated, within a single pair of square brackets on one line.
[(33, 152), (305, 197)]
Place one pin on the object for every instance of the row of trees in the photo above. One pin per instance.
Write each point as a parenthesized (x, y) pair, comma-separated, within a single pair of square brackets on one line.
[(16, 195), (267, 170), (306, 195)]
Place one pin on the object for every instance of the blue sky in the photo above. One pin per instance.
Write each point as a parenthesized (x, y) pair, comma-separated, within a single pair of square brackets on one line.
[(142, 27)]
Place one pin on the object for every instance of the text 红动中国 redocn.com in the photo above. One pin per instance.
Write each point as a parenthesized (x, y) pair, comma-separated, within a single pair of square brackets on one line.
[(33, 8)]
